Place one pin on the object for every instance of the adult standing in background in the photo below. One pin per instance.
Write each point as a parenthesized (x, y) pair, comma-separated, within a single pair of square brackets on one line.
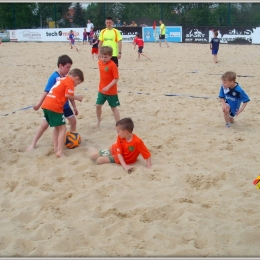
[(133, 24), (118, 24), (111, 37), (88, 29), (162, 33)]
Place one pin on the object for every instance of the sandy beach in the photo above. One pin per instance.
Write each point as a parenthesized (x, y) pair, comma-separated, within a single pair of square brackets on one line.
[(198, 199)]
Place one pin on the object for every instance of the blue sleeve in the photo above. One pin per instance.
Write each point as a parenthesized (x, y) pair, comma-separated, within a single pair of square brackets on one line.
[(243, 96), (51, 81), (221, 93)]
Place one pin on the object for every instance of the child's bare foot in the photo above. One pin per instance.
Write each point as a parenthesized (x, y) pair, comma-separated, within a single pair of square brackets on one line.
[(60, 155), (31, 147)]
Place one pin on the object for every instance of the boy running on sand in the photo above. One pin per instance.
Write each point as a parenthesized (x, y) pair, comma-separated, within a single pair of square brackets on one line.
[(53, 106), (72, 40), (140, 43)]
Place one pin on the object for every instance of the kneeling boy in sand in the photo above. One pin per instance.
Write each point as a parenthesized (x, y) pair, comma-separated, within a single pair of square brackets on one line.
[(53, 106), (126, 149), (231, 96)]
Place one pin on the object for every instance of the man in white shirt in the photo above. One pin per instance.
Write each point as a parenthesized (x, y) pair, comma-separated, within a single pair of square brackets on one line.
[(88, 28)]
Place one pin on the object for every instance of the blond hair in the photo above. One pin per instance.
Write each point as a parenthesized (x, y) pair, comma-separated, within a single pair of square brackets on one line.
[(106, 50), (229, 75)]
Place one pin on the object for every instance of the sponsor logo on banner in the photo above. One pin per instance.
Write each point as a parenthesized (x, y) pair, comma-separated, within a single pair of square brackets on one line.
[(195, 35), (233, 36), (173, 34), (31, 35)]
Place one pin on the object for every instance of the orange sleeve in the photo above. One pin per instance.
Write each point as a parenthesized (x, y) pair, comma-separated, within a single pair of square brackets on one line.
[(69, 89), (115, 71), (143, 150)]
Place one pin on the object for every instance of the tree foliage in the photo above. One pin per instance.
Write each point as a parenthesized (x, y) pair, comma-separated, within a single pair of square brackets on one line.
[(79, 16), (30, 15)]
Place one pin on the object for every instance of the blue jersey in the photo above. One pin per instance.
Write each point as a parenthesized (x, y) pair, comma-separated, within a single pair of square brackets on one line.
[(233, 97), (51, 81), (71, 37), (215, 43)]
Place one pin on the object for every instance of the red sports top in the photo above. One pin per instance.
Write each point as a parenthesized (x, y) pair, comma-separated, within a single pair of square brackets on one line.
[(139, 42), (55, 99), (129, 150)]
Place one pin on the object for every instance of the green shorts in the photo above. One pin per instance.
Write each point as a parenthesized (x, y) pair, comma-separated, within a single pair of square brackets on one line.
[(107, 152), (111, 99), (53, 118)]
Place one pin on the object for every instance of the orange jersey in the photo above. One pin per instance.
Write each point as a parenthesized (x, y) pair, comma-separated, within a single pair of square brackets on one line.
[(108, 72), (130, 150), (55, 99)]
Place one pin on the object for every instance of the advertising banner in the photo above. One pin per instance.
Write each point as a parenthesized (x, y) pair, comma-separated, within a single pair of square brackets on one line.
[(237, 35), (4, 35), (227, 34), (197, 35), (62, 34), (173, 34)]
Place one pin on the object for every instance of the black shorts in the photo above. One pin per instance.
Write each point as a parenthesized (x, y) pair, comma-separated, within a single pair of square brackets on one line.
[(115, 60), (140, 49), (162, 36), (68, 112)]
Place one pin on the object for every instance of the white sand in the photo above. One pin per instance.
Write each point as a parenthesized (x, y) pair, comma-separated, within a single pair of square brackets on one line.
[(197, 200)]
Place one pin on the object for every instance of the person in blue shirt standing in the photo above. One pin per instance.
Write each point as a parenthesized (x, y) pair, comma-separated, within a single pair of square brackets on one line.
[(214, 46), (231, 96)]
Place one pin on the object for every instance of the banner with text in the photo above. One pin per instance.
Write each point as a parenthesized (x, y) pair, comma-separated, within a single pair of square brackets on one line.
[(62, 34), (227, 34), (173, 34)]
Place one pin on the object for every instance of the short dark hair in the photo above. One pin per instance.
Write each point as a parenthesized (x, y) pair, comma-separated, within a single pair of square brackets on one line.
[(126, 124), (63, 60), (77, 73), (216, 33), (109, 18), (138, 35)]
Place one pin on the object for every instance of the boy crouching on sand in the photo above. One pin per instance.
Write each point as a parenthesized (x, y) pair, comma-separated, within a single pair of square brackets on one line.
[(231, 95), (126, 149), (53, 106)]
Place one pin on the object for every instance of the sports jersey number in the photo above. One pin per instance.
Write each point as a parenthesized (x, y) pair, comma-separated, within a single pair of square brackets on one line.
[(55, 86)]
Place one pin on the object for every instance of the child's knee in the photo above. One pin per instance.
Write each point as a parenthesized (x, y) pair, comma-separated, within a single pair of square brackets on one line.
[(100, 160), (94, 156)]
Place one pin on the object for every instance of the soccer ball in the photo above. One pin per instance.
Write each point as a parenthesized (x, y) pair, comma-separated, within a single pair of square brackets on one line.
[(72, 140)]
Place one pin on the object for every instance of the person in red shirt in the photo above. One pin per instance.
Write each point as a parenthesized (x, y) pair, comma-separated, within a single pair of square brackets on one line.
[(53, 106), (125, 150), (140, 43), (108, 84)]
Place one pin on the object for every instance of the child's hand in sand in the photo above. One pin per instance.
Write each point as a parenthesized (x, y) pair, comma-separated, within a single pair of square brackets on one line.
[(129, 168)]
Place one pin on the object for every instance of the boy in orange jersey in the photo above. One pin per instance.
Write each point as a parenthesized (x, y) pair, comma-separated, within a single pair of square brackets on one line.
[(53, 106), (140, 43), (126, 149), (107, 86), (64, 65)]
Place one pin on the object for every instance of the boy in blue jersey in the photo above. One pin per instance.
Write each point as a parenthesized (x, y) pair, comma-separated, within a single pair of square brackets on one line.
[(64, 66), (214, 46), (231, 96)]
